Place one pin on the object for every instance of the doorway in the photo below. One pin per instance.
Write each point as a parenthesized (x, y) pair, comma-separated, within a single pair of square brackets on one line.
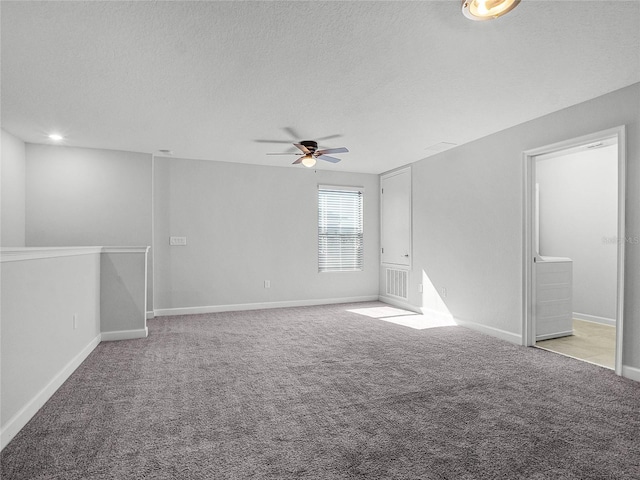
[(574, 247)]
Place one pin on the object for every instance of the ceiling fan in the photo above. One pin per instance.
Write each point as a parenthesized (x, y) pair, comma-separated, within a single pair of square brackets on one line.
[(310, 151)]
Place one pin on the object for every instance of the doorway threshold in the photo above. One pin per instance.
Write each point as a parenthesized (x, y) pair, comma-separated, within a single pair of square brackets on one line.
[(591, 342), (574, 357)]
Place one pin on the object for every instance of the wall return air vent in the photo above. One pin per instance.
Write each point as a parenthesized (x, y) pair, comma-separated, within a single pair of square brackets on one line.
[(397, 283)]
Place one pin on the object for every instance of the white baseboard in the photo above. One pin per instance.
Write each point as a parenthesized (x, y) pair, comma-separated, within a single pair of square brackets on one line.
[(548, 336), (164, 312), (594, 319), (445, 317), (125, 334), (397, 302), (492, 331), (631, 373), (20, 419), (150, 315)]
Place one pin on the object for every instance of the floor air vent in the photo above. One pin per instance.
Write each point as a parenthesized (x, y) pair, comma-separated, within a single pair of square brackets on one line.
[(398, 283)]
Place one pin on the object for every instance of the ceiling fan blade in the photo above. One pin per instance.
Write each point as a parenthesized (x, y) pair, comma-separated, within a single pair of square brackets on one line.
[(298, 161), (302, 148), (327, 158), (291, 131), (333, 150), (328, 137), (260, 140)]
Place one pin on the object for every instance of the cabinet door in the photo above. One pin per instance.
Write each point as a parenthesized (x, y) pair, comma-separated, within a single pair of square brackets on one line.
[(395, 211)]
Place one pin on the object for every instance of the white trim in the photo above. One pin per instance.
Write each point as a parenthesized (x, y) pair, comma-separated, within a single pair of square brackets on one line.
[(20, 419), (439, 316), (548, 336), (399, 303), (153, 237), (35, 253), (396, 171), (164, 312), (622, 202), (15, 254), (631, 373), (427, 312), (150, 315), (146, 288), (528, 253), (491, 331), (341, 188), (594, 319), (125, 334), (125, 249)]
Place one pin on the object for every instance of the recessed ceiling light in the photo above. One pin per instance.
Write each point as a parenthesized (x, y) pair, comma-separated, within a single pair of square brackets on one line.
[(487, 9), (55, 136)]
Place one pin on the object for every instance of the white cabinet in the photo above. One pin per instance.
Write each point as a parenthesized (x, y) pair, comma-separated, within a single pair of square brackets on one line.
[(554, 297)]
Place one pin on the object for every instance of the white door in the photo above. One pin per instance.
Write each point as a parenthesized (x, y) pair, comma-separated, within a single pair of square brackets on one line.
[(395, 219)]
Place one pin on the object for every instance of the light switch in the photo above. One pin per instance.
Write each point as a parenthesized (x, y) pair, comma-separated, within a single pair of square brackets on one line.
[(177, 240)]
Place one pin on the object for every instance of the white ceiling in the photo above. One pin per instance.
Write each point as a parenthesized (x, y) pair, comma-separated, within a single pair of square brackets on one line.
[(209, 79)]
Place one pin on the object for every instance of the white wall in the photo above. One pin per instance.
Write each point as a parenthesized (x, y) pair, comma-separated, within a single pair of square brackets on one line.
[(12, 202), (86, 196), (123, 305), (246, 224), (467, 217), (40, 346), (579, 220)]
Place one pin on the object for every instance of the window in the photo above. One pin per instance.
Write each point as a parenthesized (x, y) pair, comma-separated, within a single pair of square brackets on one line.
[(340, 229)]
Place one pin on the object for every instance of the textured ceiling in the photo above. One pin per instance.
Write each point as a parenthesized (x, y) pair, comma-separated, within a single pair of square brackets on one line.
[(209, 79)]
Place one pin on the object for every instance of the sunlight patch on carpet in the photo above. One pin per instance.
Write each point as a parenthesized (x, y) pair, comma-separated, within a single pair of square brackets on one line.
[(405, 318)]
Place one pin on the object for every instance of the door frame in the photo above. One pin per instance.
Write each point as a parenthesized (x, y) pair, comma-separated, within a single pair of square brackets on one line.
[(528, 244)]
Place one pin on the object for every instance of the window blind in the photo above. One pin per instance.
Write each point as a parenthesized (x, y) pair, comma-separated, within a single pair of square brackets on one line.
[(340, 229)]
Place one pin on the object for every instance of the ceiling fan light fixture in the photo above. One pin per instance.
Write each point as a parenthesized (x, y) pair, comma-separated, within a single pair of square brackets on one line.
[(308, 161), (487, 9)]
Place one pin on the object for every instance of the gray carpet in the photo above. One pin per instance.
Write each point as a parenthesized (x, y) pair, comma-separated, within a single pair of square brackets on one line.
[(322, 393)]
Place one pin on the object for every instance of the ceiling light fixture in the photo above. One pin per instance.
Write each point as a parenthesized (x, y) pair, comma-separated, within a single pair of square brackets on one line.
[(56, 137), (308, 160), (487, 9)]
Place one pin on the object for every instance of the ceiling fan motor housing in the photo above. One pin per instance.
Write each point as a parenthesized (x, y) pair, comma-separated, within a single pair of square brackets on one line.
[(311, 145)]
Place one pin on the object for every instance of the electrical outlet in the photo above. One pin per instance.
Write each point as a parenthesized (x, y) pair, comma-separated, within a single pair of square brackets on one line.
[(444, 292), (177, 240), (75, 321), (420, 288), (267, 284)]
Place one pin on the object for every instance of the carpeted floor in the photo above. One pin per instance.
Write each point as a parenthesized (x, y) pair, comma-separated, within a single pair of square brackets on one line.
[(324, 393)]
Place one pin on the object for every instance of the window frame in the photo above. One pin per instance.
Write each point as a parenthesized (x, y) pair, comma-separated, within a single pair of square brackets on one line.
[(359, 264)]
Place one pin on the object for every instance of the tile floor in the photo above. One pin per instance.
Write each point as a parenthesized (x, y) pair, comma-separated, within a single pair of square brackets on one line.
[(593, 342)]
